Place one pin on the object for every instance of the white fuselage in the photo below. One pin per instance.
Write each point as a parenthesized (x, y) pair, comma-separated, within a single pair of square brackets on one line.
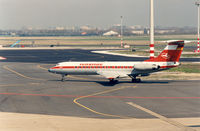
[(122, 68)]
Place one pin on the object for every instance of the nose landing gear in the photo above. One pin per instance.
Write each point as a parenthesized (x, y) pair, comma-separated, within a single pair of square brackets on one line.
[(63, 77)]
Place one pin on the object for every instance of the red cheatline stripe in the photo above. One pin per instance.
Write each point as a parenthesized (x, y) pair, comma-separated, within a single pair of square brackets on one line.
[(74, 96), (72, 67)]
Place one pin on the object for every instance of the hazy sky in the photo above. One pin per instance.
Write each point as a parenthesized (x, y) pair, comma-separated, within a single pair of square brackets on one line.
[(15, 14)]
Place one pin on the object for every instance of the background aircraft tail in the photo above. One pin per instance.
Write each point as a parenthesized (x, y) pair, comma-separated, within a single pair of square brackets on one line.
[(171, 53)]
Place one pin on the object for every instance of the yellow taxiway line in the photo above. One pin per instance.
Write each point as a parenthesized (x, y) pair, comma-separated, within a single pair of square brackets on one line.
[(163, 118), (100, 93), (19, 74)]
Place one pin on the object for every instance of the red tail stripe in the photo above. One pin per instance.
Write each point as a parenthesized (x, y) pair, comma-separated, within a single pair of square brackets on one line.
[(151, 45)]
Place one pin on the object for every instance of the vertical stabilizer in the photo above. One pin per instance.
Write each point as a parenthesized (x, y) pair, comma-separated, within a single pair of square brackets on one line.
[(171, 53)]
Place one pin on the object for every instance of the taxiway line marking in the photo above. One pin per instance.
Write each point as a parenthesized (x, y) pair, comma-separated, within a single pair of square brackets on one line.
[(19, 74), (8, 85), (38, 66), (99, 93), (172, 122), (11, 85)]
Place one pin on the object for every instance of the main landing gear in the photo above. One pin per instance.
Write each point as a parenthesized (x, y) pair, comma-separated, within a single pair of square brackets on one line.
[(63, 77), (135, 80), (113, 81)]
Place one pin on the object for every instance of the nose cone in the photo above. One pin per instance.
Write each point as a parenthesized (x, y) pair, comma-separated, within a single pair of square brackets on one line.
[(51, 70), (54, 70)]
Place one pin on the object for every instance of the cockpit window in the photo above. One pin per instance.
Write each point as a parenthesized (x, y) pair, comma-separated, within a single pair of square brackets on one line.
[(58, 64)]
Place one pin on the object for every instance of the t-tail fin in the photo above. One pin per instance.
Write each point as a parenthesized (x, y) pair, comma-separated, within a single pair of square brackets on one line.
[(171, 53)]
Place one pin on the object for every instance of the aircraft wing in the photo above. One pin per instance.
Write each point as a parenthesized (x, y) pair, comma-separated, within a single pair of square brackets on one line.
[(112, 74)]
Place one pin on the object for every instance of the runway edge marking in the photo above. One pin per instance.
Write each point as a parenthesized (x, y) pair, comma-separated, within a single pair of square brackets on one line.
[(163, 118), (99, 113)]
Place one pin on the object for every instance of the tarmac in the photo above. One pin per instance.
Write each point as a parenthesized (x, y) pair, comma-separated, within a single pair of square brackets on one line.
[(31, 98)]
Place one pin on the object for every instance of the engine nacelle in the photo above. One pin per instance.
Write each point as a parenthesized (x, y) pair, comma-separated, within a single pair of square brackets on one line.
[(146, 66)]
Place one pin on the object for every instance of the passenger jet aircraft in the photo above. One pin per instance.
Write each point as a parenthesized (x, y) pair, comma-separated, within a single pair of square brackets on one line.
[(167, 59)]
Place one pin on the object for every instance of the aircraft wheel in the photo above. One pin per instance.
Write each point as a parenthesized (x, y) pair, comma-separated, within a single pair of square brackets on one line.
[(63, 77), (113, 81), (136, 80)]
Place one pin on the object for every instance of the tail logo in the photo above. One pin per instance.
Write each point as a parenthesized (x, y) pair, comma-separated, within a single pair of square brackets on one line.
[(165, 55)]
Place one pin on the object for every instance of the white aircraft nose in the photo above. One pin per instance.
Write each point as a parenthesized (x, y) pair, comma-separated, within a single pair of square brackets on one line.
[(51, 70)]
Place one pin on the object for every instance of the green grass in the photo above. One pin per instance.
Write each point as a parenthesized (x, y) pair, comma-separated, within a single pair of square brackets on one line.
[(186, 68), (191, 55)]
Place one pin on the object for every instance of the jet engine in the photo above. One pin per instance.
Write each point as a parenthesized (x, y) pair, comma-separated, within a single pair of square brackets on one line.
[(146, 67)]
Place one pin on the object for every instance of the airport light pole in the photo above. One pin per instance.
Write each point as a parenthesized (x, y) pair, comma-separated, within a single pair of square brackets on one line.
[(198, 4), (151, 29), (121, 34)]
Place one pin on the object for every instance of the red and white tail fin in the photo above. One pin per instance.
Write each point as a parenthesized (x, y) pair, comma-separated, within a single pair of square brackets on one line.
[(171, 53)]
